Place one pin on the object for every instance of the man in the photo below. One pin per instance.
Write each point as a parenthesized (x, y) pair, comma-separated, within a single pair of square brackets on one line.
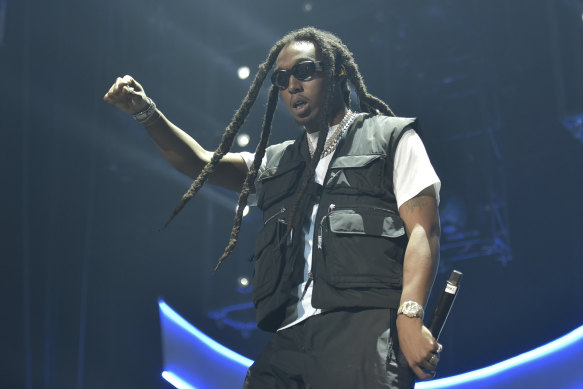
[(348, 254)]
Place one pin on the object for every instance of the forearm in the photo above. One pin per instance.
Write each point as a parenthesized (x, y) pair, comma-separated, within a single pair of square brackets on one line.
[(422, 253), (419, 268), (420, 263), (179, 148), (183, 152), (189, 157)]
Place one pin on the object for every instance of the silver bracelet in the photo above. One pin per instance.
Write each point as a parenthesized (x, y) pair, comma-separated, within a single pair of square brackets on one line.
[(143, 116)]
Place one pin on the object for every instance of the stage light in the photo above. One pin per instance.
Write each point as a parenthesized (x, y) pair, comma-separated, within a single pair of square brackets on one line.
[(245, 211), (243, 72), (203, 343), (243, 281), (176, 381), (513, 366), (307, 7), (244, 285), (243, 140), (505, 374)]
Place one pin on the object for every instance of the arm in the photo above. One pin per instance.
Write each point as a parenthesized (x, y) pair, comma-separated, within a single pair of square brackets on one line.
[(181, 150), (419, 267)]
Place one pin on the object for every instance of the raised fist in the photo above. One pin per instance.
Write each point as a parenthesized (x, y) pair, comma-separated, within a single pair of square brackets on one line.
[(127, 95)]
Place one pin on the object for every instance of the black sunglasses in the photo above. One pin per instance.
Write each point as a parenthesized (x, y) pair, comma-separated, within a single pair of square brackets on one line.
[(303, 71)]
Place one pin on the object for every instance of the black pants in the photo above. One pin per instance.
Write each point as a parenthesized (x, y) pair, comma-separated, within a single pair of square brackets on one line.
[(350, 349)]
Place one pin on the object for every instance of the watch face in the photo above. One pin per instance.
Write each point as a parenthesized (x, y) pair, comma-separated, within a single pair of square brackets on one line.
[(412, 309)]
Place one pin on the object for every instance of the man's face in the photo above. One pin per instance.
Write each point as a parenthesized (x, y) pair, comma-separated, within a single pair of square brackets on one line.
[(304, 99)]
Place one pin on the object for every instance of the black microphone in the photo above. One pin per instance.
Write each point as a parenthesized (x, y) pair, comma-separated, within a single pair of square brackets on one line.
[(444, 303)]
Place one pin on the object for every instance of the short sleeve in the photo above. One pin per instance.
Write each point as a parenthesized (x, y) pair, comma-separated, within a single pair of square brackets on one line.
[(413, 171)]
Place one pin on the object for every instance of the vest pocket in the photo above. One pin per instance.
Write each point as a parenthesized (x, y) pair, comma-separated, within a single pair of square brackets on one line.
[(363, 247), (269, 259), (352, 174), (274, 185)]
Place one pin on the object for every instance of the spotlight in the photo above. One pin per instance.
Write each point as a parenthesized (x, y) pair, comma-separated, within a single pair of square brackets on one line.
[(243, 72), (245, 211), (307, 7), (243, 281), (244, 285), (243, 140)]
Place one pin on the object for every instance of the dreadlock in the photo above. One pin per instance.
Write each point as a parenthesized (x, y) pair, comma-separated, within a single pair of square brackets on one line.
[(250, 179), (335, 56), (229, 134)]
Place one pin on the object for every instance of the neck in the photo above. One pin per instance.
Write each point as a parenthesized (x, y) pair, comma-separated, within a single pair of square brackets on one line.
[(336, 119)]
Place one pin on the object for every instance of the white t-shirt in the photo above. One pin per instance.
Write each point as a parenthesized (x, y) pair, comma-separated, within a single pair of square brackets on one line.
[(412, 173)]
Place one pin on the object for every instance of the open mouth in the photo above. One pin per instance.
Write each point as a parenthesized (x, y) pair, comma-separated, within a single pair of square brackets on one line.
[(299, 104)]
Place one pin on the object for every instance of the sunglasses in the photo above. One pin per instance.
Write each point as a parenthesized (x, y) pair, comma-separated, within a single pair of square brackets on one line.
[(303, 71)]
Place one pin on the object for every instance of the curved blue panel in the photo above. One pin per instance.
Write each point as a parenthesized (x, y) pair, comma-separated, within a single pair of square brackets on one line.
[(192, 360), (554, 365)]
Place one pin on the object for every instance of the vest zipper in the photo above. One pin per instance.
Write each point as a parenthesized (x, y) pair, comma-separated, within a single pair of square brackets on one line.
[(282, 210), (375, 209), (331, 207), (310, 278)]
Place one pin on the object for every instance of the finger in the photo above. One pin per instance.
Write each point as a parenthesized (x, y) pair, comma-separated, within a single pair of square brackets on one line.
[(114, 91), (118, 92), (134, 97), (430, 363), (122, 84), (130, 81), (431, 374), (423, 374), (119, 84), (121, 93), (428, 366), (111, 92), (130, 91), (434, 360)]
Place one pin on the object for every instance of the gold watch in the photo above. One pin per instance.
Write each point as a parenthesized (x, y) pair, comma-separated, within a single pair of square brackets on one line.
[(411, 309)]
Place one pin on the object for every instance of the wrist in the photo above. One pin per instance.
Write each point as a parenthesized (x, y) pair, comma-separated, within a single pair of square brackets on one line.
[(406, 325), (152, 119), (146, 114), (411, 309)]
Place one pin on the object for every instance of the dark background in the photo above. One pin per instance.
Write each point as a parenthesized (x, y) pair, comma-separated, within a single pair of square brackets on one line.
[(498, 88)]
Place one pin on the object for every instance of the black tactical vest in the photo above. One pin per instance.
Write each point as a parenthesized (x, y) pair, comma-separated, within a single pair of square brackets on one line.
[(359, 238)]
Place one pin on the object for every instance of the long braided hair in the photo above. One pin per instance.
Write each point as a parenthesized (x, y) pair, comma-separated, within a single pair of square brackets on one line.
[(335, 56)]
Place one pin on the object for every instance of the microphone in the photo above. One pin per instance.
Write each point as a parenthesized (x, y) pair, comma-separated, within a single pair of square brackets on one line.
[(444, 303)]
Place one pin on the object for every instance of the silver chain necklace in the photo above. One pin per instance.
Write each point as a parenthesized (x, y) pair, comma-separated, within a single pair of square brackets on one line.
[(333, 140)]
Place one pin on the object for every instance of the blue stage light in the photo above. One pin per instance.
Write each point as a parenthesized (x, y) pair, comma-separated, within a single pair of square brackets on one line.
[(546, 351), (552, 365), (212, 344), (175, 381)]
